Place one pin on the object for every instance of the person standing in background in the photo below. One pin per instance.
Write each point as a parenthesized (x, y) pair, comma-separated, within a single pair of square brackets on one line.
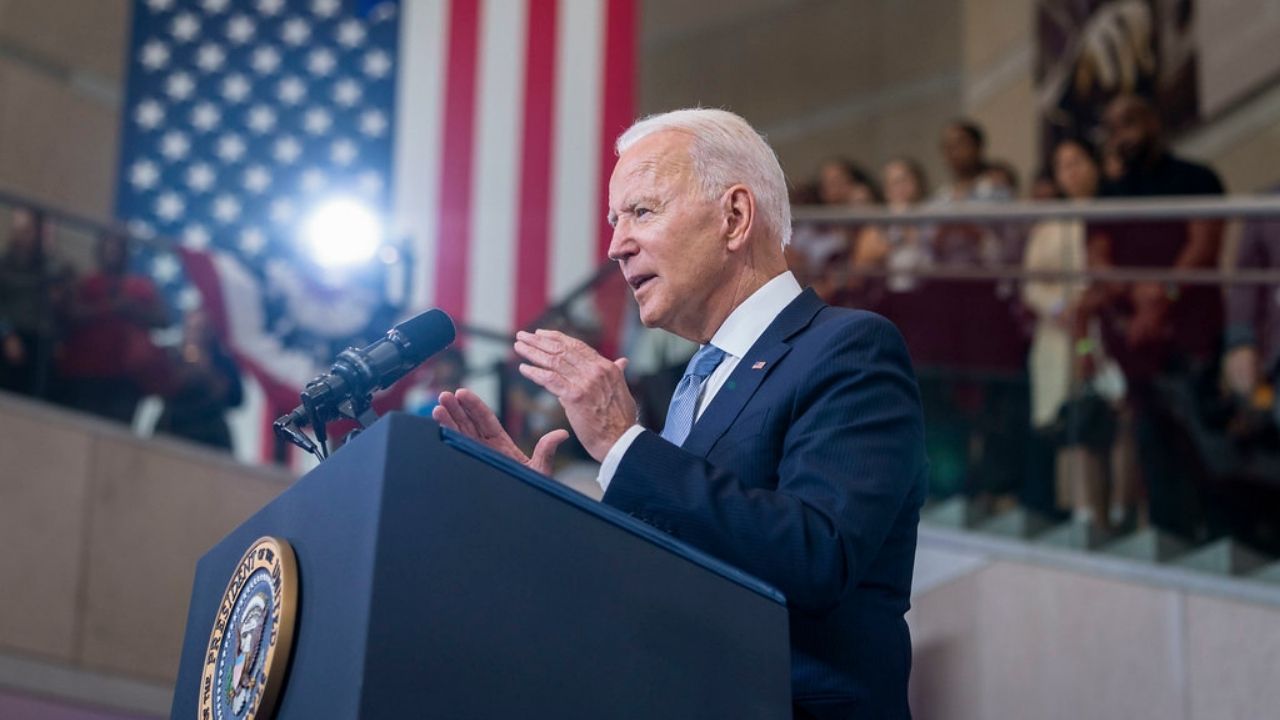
[(108, 361), (34, 285), (205, 384), (1166, 337)]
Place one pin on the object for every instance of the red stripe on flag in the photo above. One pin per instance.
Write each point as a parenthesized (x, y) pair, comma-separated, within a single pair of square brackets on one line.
[(533, 247), (618, 106), (456, 168), (617, 110)]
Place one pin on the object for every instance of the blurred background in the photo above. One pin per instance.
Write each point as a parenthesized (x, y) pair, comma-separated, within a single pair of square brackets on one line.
[(1067, 206)]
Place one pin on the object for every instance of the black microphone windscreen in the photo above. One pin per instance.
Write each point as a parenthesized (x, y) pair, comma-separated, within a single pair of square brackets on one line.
[(428, 333)]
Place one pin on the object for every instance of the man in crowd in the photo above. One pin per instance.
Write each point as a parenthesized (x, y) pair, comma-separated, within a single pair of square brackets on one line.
[(108, 361), (33, 290), (793, 447), (1164, 335)]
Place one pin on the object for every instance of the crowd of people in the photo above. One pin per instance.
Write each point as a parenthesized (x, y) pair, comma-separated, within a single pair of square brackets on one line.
[(1119, 403), (85, 341)]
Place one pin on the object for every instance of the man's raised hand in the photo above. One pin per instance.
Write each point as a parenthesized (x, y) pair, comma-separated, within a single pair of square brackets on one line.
[(592, 389), (465, 412)]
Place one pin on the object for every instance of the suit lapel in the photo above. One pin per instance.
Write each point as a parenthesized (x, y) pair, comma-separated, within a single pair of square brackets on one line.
[(761, 360)]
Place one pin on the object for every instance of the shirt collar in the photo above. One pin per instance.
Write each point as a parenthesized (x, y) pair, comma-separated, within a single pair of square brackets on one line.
[(749, 320)]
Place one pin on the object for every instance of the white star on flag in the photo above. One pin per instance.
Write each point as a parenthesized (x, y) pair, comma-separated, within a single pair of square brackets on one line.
[(373, 123), (210, 57), (291, 90), (350, 33), (343, 152), (226, 209), (144, 174), (266, 60), (346, 92), (230, 148), (252, 241), (165, 268), (184, 27), (196, 237), (270, 8), (175, 145), (149, 114), (154, 55), (240, 29), (169, 206), (179, 86), (321, 62), (262, 119), (141, 229), (213, 7), (205, 116), (159, 6), (257, 179), (235, 88), (317, 121), (286, 150), (201, 177), (325, 8), (295, 32), (377, 64), (189, 298)]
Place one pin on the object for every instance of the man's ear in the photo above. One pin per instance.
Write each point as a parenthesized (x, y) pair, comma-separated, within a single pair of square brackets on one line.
[(739, 215)]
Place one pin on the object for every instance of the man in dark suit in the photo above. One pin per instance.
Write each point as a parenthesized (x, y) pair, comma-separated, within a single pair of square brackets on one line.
[(794, 445)]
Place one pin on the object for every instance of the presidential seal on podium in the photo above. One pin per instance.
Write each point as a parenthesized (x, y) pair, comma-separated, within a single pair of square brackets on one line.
[(248, 650)]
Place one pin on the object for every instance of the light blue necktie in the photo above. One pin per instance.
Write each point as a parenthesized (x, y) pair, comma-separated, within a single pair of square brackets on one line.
[(684, 404)]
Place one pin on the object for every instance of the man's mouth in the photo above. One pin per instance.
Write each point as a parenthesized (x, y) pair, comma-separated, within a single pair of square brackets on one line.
[(635, 281)]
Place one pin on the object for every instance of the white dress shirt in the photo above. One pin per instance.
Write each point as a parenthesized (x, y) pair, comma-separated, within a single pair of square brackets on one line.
[(736, 335)]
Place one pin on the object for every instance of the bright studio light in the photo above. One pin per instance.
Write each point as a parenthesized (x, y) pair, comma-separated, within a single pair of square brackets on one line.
[(342, 232)]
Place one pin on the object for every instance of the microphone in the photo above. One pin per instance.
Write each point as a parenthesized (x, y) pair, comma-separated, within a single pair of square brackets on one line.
[(357, 374)]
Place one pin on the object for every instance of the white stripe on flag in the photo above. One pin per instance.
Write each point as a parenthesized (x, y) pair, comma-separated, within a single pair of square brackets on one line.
[(575, 165), (495, 192), (418, 128)]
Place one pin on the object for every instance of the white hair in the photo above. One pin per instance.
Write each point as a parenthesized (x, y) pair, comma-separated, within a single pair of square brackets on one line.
[(725, 151)]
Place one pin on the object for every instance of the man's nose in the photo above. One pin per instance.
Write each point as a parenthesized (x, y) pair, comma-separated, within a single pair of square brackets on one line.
[(621, 244)]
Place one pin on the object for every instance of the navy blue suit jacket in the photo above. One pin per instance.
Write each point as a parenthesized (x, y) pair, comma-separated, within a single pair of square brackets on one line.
[(809, 473)]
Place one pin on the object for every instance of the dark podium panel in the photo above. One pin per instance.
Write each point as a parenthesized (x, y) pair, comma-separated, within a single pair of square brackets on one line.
[(440, 580)]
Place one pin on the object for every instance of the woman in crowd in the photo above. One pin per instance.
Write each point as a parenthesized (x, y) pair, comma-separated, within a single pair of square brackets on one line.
[(840, 183), (1066, 410), (896, 247)]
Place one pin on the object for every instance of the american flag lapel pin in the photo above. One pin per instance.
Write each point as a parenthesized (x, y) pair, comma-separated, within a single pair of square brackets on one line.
[(759, 365)]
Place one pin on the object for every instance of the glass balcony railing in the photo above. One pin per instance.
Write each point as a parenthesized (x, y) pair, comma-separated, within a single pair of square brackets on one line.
[(1100, 376)]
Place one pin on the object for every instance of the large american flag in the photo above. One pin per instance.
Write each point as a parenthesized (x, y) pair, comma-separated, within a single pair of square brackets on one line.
[(482, 128)]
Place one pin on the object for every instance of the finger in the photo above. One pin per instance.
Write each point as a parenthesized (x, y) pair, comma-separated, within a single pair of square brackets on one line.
[(483, 418), (442, 416), (572, 351), (450, 403), (547, 340), (537, 355), (622, 363), (544, 452), (552, 382)]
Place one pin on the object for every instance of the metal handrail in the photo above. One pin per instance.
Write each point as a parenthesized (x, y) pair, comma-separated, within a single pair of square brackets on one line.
[(1200, 207)]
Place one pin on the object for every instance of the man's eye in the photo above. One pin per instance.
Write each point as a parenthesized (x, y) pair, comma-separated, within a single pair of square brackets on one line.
[(640, 212)]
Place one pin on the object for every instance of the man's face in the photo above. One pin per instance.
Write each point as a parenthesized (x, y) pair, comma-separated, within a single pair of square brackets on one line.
[(668, 238), (1131, 129), (962, 154)]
